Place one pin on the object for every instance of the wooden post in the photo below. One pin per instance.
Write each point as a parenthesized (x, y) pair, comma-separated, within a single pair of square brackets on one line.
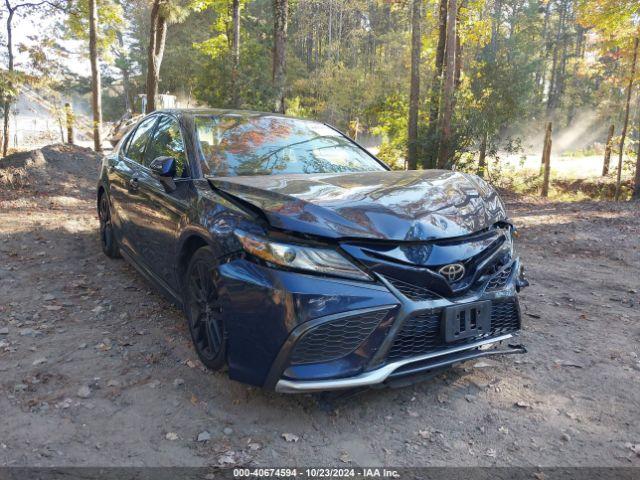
[(546, 161), (607, 151), (69, 119)]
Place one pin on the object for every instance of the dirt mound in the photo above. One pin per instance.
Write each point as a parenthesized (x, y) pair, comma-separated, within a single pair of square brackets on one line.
[(37, 167), (16, 169)]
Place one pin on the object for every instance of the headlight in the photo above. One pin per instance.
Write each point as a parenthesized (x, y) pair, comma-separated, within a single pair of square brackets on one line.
[(508, 247), (318, 260)]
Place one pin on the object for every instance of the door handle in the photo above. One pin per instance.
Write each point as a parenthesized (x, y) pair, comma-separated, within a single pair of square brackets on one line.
[(134, 184)]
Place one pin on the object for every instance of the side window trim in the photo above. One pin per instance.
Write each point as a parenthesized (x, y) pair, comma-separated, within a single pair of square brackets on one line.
[(127, 141), (151, 134)]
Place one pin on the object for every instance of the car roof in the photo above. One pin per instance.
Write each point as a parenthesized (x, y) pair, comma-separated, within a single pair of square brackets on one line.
[(224, 111)]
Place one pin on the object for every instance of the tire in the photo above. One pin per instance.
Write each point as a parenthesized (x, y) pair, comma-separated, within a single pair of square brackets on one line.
[(202, 309), (108, 240)]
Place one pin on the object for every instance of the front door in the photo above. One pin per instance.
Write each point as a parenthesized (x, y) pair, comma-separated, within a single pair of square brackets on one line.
[(161, 212), (125, 179)]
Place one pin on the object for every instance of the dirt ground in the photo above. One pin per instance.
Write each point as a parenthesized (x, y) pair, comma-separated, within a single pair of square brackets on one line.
[(97, 369)]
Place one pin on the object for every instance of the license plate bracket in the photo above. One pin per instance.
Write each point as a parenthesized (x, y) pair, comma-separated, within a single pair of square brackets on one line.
[(466, 320)]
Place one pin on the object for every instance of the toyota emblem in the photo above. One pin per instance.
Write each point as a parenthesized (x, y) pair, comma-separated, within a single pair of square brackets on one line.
[(452, 272)]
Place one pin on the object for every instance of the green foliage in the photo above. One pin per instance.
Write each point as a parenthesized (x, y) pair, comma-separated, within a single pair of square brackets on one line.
[(391, 126), (110, 21), (617, 19), (10, 83)]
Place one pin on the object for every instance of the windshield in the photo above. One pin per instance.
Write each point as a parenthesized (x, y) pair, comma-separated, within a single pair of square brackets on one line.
[(254, 144)]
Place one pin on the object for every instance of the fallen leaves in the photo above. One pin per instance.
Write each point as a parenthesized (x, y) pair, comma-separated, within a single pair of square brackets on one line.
[(227, 458), (290, 437), (84, 391), (634, 447), (485, 364), (567, 363), (345, 457)]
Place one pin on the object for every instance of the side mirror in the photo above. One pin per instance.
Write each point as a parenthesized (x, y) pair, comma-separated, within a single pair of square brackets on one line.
[(163, 166), (165, 169)]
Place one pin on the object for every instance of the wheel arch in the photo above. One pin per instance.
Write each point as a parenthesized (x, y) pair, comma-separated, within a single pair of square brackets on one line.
[(191, 241)]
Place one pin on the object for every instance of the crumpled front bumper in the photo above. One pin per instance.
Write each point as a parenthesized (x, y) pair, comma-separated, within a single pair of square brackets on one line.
[(281, 307)]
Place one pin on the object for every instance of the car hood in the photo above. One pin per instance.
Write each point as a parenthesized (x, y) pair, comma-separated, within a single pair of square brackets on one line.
[(389, 205)]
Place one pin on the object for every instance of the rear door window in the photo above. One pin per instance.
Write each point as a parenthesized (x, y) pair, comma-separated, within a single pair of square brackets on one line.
[(138, 142)]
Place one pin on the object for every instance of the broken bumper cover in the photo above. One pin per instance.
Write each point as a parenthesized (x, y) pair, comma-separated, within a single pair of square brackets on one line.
[(302, 333), (404, 368)]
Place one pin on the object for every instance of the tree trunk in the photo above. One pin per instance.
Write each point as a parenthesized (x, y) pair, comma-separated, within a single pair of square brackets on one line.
[(636, 187), (546, 161), (625, 125), (157, 38), (541, 72), (458, 68), (436, 85), (562, 67), (235, 53), (448, 86), (607, 151), (552, 97), (280, 8), (7, 103), (340, 18), (482, 161), (330, 32), (309, 50), (96, 100), (414, 94), (126, 91)]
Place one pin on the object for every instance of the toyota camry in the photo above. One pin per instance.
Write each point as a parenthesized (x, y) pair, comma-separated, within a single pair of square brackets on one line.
[(301, 261)]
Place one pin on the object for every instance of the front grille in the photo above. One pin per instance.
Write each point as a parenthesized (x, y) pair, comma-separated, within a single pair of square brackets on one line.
[(413, 292), (423, 332), (419, 334), (335, 339), (500, 280), (504, 317)]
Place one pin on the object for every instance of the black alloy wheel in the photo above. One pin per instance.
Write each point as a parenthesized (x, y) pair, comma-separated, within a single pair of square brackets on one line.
[(107, 237), (202, 308)]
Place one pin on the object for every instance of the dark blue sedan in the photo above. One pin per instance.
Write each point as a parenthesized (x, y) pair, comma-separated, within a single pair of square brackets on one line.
[(300, 260)]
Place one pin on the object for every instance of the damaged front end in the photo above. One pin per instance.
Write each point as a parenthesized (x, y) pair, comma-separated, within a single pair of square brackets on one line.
[(334, 312), (438, 321)]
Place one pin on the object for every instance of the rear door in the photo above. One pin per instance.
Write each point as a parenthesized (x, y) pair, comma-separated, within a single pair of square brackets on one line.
[(162, 211), (124, 180)]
